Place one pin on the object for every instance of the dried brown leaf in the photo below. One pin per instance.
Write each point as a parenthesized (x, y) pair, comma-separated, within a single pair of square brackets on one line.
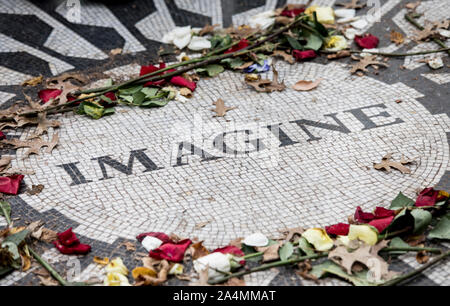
[(386, 164), (412, 5), (33, 81), (198, 250), (303, 85), (34, 145), (353, 4), (287, 57), (270, 252), (422, 257), (35, 189), (264, 85), (5, 164), (397, 37), (339, 54), (207, 29), (291, 232), (364, 62), (130, 246), (220, 108), (186, 92), (48, 281), (146, 280)]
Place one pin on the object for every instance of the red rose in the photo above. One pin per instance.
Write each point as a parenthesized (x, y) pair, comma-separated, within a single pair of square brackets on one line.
[(68, 238), (367, 41), (10, 184), (303, 55), (244, 43), (427, 197), (292, 13), (68, 244), (338, 229), (171, 251), (46, 94)]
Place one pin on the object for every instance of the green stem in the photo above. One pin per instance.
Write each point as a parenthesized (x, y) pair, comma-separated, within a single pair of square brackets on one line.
[(411, 275), (394, 54), (268, 266), (417, 25), (411, 249), (49, 268), (6, 214)]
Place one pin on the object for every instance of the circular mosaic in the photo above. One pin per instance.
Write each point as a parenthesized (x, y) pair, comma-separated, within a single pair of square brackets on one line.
[(275, 161)]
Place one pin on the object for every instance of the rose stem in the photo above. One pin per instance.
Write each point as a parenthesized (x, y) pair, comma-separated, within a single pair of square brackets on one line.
[(393, 54), (199, 62), (411, 275), (49, 268), (414, 23)]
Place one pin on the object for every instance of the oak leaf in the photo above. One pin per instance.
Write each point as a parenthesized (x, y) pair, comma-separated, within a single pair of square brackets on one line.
[(303, 85), (386, 164), (364, 62), (220, 108), (287, 57), (397, 37), (34, 145), (265, 85)]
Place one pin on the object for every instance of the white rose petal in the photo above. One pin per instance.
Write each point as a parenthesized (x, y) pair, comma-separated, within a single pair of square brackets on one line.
[(262, 20), (346, 20), (151, 243), (182, 31), (360, 24), (345, 13), (176, 269), (350, 33), (199, 43), (436, 63), (168, 38), (182, 42), (216, 262), (256, 240)]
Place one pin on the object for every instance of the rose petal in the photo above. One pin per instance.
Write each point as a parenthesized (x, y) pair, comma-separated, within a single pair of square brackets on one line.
[(216, 262), (151, 243), (233, 250), (303, 55), (364, 233), (244, 43), (68, 238), (199, 43), (338, 229), (47, 94), (363, 217), (115, 279), (171, 251), (367, 41), (293, 12), (2, 135), (161, 236), (180, 81), (10, 184), (318, 238), (381, 212), (427, 197), (381, 224), (78, 249), (256, 240), (116, 266)]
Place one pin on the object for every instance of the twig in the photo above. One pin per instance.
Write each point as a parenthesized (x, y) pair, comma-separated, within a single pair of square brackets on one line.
[(411, 275), (49, 268), (414, 23)]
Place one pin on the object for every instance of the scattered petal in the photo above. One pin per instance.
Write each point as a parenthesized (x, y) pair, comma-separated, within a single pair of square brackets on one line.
[(306, 85), (367, 41), (216, 262), (10, 184), (171, 251), (256, 240), (304, 55), (364, 233), (116, 266), (338, 229), (318, 238)]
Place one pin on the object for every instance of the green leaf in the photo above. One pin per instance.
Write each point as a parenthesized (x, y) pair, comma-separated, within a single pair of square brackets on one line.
[(398, 242), (401, 201), (130, 90), (422, 219), (295, 44), (154, 103), (109, 111), (313, 42), (138, 98), (91, 109), (233, 62), (305, 247), (126, 98), (17, 238), (286, 251), (150, 92), (357, 278), (5, 211), (402, 220), (442, 229), (214, 70)]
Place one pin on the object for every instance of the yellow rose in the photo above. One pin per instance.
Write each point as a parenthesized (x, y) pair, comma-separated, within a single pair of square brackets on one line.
[(116, 266), (115, 279), (335, 43), (325, 14), (364, 233), (318, 238)]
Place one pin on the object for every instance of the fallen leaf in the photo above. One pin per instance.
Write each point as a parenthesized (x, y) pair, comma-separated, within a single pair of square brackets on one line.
[(339, 54), (101, 261), (291, 232), (303, 270), (287, 57), (130, 246), (422, 257), (203, 278), (306, 85), (34, 145), (202, 224), (412, 5), (197, 250), (364, 62), (428, 32), (35, 189), (365, 254), (265, 85), (221, 109), (397, 38), (33, 81), (116, 51), (270, 252), (48, 281), (207, 29), (386, 164), (186, 92), (147, 280), (63, 83), (5, 164)]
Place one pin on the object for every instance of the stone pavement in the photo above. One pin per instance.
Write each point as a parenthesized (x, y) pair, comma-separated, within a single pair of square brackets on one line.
[(297, 158)]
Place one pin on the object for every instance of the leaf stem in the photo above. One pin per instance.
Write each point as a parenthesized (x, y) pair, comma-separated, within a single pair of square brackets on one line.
[(394, 54), (411, 275), (49, 268)]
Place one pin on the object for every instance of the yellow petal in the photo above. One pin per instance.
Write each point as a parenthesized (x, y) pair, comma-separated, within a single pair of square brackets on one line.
[(101, 261), (116, 266), (325, 14), (115, 279), (318, 238), (176, 269), (364, 233), (139, 271), (335, 43)]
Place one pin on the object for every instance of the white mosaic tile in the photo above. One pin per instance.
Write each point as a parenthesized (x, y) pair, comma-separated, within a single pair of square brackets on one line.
[(161, 20), (12, 77), (210, 8), (441, 78)]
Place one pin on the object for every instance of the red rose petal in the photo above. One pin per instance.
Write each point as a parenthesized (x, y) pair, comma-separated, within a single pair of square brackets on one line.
[(10, 184), (171, 251), (303, 55), (244, 43), (180, 81), (79, 249), (381, 212), (363, 217), (2, 135), (367, 41), (46, 94), (338, 229), (161, 236), (381, 224), (292, 13), (427, 197), (68, 238)]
